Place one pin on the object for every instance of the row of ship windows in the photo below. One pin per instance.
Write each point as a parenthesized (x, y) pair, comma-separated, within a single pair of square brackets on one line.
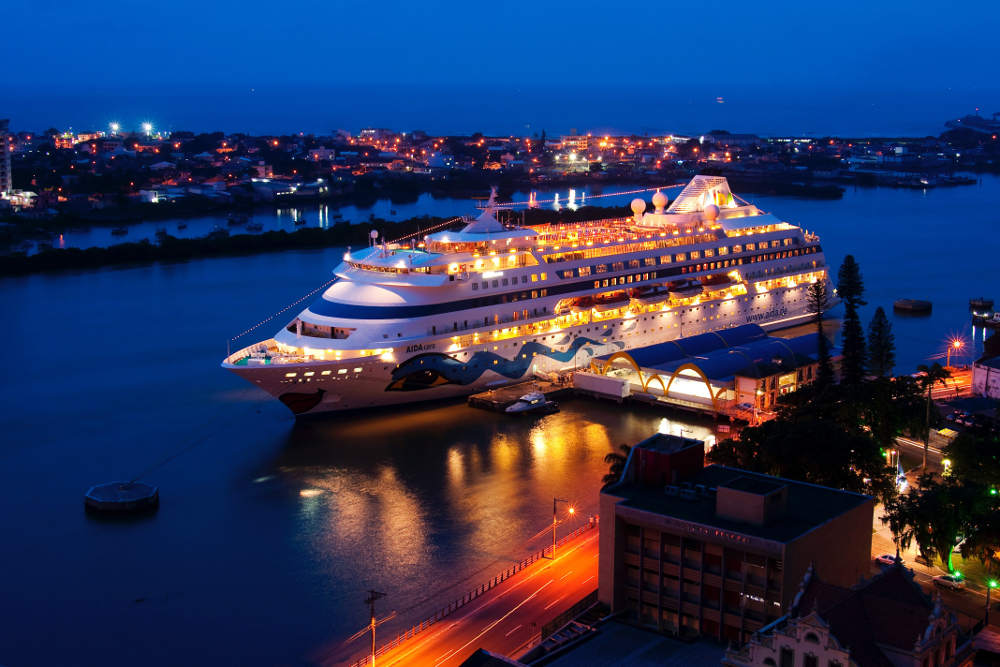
[(503, 282), (684, 256), (584, 271)]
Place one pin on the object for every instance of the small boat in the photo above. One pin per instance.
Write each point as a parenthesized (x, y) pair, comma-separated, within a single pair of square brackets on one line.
[(987, 319), (161, 232), (981, 303), (650, 296), (608, 302), (300, 221), (391, 212), (533, 402), (337, 216), (237, 219), (182, 225), (685, 289), (119, 231), (255, 227)]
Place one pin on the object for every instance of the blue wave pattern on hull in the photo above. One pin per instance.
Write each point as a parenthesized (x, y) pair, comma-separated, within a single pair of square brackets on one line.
[(433, 369)]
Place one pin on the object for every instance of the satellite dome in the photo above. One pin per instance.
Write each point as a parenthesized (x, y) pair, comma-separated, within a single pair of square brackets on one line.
[(638, 206), (659, 201), (711, 212)]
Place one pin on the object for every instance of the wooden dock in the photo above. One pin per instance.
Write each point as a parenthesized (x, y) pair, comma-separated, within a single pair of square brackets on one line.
[(499, 399)]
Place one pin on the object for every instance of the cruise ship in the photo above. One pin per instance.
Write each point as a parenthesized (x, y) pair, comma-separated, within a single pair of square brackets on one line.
[(466, 310)]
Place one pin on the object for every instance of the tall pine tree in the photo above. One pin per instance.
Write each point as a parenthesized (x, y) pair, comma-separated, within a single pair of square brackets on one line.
[(881, 345), (850, 288), (818, 301)]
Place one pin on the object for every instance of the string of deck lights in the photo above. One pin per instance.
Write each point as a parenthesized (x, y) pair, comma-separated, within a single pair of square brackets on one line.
[(612, 194), (443, 224), (321, 287)]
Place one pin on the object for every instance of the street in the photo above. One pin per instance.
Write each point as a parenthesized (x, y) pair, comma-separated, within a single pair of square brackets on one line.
[(970, 603), (509, 618)]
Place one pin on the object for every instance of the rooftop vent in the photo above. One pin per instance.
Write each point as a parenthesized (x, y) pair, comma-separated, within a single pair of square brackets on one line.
[(688, 494), (687, 485), (670, 490), (699, 489)]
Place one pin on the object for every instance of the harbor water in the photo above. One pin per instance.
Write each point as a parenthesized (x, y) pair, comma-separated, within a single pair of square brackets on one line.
[(269, 531)]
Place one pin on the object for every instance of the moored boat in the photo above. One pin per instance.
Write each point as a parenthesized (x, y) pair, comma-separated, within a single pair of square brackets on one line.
[(533, 402)]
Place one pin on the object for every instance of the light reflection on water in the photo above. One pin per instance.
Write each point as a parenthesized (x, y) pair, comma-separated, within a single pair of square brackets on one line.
[(119, 365)]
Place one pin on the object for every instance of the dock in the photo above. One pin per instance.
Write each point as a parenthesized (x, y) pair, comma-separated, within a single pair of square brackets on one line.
[(501, 398)]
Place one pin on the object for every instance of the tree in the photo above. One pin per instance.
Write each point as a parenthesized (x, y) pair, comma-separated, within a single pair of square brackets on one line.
[(975, 459), (850, 288), (818, 302), (881, 345), (931, 375), (789, 449), (617, 462), (934, 514)]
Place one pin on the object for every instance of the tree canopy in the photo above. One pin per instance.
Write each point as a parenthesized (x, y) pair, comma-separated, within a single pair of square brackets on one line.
[(881, 345), (850, 288), (815, 451)]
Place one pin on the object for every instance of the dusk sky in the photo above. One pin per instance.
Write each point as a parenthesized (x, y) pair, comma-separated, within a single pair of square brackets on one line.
[(855, 42), (854, 67)]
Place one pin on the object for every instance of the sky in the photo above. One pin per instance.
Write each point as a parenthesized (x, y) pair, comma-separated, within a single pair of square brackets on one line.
[(512, 54)]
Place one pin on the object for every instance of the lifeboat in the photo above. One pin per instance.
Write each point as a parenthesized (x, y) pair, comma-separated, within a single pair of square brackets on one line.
[(607, 302), (582, 305), (650, 296), (685, 289)]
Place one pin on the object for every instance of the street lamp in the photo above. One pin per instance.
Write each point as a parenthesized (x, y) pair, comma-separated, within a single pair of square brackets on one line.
[(147, 128), (990, 585), (956, 346), (114, 128), (571, 510)]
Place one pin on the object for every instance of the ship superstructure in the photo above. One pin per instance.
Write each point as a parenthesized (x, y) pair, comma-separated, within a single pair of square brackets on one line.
[(463, 311)]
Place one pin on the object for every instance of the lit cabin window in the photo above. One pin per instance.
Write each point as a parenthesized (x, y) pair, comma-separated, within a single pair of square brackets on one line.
[(325, 373), (290, 375), (309, 374), (358, 370), (342, 371)]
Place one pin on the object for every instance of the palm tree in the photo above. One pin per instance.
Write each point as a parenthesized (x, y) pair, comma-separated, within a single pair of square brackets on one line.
[(617, 462), (931, 376)]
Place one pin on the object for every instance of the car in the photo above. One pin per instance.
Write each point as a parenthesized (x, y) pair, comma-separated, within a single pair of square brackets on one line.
[(952, 416), (952, 581), (886, 559)]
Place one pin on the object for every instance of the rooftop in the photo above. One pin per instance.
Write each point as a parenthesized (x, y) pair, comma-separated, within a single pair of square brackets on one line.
[(808, 505), (617, 644), (758, 487)]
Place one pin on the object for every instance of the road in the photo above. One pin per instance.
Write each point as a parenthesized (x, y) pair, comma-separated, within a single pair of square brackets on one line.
[(970, 604), (510, 617)]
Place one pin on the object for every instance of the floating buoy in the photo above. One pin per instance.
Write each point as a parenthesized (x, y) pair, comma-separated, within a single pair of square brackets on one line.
[(912, 305), (122, 497)]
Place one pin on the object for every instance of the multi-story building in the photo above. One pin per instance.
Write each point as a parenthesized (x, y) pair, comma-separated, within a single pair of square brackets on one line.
[(882, 622), (718, 551), (5, 149)]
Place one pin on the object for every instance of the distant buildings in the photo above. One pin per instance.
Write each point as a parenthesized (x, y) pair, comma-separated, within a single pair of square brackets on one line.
[(986, 377), (6, 183), (718, 551)]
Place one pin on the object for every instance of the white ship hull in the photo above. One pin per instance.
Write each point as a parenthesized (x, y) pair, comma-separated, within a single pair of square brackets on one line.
[(365, 383)]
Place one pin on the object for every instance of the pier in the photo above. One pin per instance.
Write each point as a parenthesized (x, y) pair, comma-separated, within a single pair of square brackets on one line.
[(499, 399)]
